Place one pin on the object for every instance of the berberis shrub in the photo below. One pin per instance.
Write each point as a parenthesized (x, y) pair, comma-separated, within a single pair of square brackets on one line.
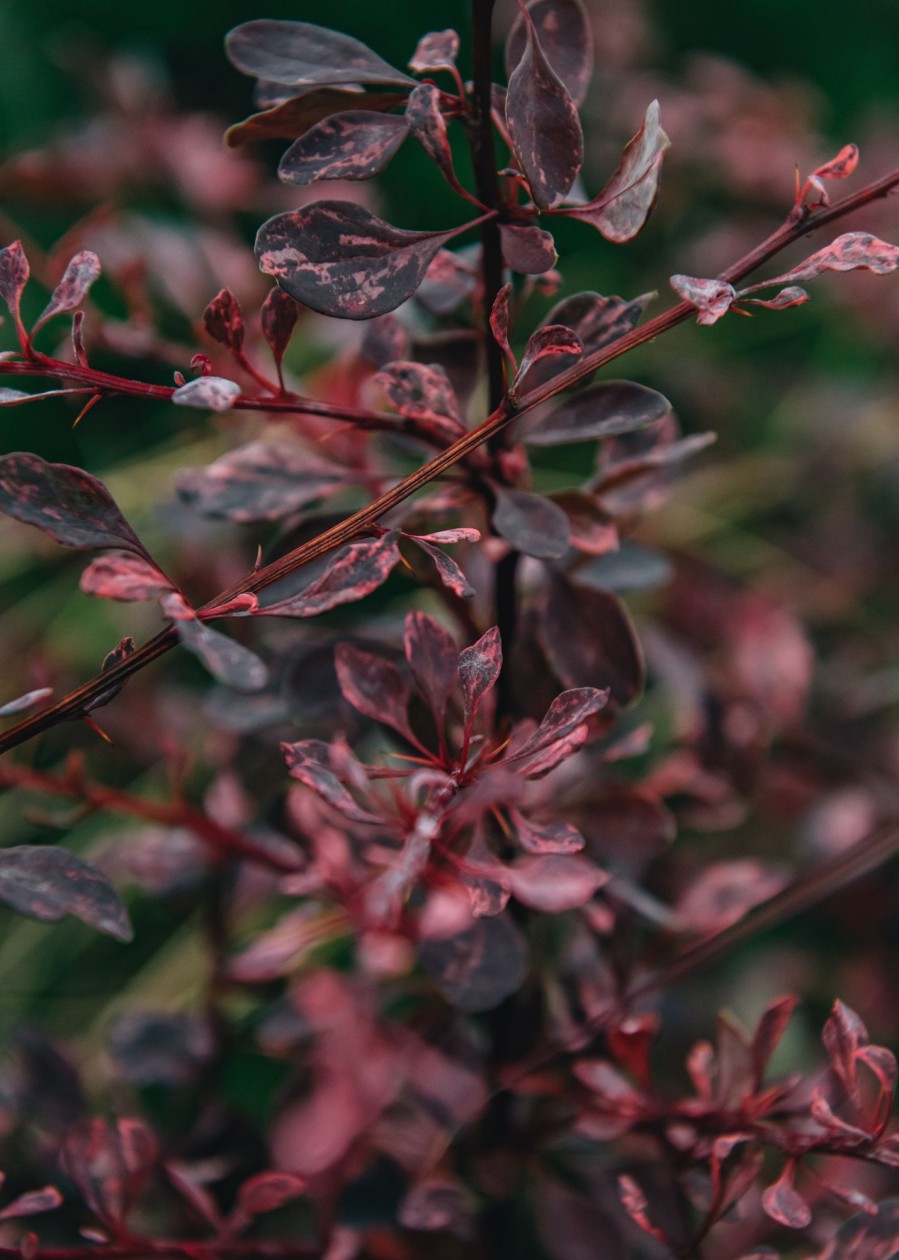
[(411, 880)]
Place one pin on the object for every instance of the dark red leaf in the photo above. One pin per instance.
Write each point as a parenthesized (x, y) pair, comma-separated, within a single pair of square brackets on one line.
[(354, 572), (867, 1236), (543, 123), (124, 578), (590, 642), (279, 316), (437, 1203), (263, 481), (768, 1032), (77, 278), (436, 51), (46, 883), (207, 393), (623, 206), (384, 341), (431, 654), (598, 321), (844, 1033), (634, 1202), (549, 342), (554, 882), (14, 273), (228, 661), (499, 323), (268, 1191), (601, 411), (299, 54), (65, 502), (27, 701), (479, 968), (340, 259), (479, 667), (531, 523), (527, 249), (34, 1201), (542, 838), (309, 761), (422, 392), (724, 891), (223, 320), (291, 118), (374, 686), (194, 1193), (784, 1204), (566, 38), (712, 298), (591, 528), (109, 1163), (566, 713), (428, 125), (354, 145), (448, 571)]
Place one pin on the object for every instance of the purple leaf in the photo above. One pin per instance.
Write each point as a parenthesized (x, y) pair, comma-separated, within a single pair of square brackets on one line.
[(65, 502), (543, 124), (725, 891), (194, 1193), (527, 249), (844, 1033), (850, 252), (428, 125), (602, 411), (589, 641), (549, 342), (354, 572), (591, 528), (262, 481), (266, 1192), (294, 117), (14, 273), (299, 54), (567, 712), (228, 661), (566, 39), (868, 1236), (784, 1204), (478, 968), (436, 51), (309, 761), (448, 571), (422, 392), (31, 1203), (712, 298), (278, 316), (437, 1203), (119, 653), (207, 393), (46, 884), (27, 701), (342, 260), (768, 1032), (223, 320), (554, 882), (531, 523), (384, 341), (449, 281), (542, 838), (499, 323), (431, 654), (623, 206), (479, 667), (354, 145), (374, 686), (77, 278), (124, 578)]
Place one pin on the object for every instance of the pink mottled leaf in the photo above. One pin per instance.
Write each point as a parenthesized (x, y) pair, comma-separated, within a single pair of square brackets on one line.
[(68, 295), (712, 298), (451, 576), (65, 502), (26, 701), (309, 761), (543, 123), (590, 642), (340, 259), (479, 968), (279, 317), (124, 578), (374, 686), (527, 249), (838, 167), (263, 481), (850, 252), (14, 273), (31, 1203), (461, 534), (844, 1033), (566, 38), (353, 145), (425, 118), (291, 118), (784, 1204), (792, 296), (354, 572), (623, 206), (551, 341), (266, 1192), (597, 320), (634, 1202), (431, 654), (566, 713), (228, 661), (299, 54), (435, 51), (602, 411), (207, 393), (422, 392), (544, 838), (47, 883), (223, 320), (479, 667), (725, 891), (531, 523), (554, 882), (499, 323)]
